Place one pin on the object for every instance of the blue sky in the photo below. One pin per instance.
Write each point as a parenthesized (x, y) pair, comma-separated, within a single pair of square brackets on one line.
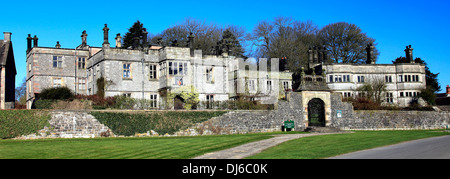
[(394, 24)]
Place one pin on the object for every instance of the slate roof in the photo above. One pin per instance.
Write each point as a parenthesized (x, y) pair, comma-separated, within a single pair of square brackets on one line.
[(4, 48)]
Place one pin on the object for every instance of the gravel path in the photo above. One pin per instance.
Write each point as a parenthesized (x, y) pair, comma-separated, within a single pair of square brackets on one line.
[(250, 149)]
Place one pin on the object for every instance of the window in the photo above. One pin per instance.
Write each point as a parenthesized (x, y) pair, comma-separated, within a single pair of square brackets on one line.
[(401, 94), (337, 78), (181, 69), (347, 94), (152, 71), (389, 98), (126, 95), (209, 101), (269, 85), (285, 85), (331, 78), (57, 82), (400, 79), (81, 63), (126, 70), (175, 68), (153, 100), (360, 79), (57, 61), (388, 79), (251, 85), (170, 68), (82, 83), (209, 74), (29, 67)]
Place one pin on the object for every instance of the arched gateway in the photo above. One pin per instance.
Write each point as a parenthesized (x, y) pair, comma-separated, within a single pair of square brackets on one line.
[(316, 112)]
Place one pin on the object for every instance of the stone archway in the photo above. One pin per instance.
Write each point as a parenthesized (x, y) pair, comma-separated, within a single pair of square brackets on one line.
[(178, 102), (316, 112)]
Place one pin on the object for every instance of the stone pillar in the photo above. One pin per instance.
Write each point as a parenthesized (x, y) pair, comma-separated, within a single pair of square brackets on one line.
[(105, 36), (118, 41)]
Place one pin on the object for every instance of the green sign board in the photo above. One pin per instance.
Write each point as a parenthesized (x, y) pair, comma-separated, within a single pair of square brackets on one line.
[(289, 124)]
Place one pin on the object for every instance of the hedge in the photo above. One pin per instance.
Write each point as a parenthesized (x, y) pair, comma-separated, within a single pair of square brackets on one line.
[(128, 124), (15, 123)]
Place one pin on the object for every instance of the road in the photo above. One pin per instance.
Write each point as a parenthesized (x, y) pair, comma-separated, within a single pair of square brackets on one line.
[(430, 148)]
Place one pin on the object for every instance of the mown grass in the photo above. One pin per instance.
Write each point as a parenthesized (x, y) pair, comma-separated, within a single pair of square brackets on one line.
[(324, 146), (121, 148)]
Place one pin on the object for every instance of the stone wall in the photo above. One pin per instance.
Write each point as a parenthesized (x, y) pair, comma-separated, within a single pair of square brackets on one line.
[(71, 124)]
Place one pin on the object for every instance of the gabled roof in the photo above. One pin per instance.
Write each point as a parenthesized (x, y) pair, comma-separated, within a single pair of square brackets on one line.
[(4, 50)]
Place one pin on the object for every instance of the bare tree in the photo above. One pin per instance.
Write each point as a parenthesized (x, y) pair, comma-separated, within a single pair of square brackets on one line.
[(346, 42), (374, 89)]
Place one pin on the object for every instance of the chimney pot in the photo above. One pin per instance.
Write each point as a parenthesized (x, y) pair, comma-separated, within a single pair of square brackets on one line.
[(29, 38), (35, 41)]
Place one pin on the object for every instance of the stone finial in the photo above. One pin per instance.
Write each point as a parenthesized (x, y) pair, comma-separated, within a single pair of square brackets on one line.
[(7, 36), (118, 40), (144, 37), (57, 44)]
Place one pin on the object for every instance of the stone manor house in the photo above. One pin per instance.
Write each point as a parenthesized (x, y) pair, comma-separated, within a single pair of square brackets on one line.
[(153, 71)]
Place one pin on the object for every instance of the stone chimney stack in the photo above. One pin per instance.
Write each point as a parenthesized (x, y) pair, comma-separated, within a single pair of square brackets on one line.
[(144, 38), (35, 41), (29, 38), (191, 43), (136, 43), (7, 36), (118, 41), (105, 36), (57, 44), (409, 54), (370, 57), (84, 38)]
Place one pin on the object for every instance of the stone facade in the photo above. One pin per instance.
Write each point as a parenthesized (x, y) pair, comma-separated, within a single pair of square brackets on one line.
[(150, 73), (7, 73)]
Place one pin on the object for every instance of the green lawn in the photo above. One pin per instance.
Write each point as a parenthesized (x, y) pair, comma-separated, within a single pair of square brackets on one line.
[(187, 147), (325, 146), (121, 148)]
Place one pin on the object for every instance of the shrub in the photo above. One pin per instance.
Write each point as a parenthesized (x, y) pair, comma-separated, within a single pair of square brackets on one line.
[(56, 93), (128, 124), (15, 123), (44, 103)]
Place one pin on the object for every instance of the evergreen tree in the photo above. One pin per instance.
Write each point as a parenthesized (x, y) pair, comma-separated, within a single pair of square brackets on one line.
[(137, 30), (232, 44)]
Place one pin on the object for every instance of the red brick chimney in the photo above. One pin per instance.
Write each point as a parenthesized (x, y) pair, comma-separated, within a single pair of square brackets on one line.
[(448, 90)]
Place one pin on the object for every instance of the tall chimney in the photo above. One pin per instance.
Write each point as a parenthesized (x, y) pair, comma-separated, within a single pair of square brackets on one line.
[(136, 43), (370, 58), (191, 43), (84, 38), (35, 41), (118, 41), (144, 38), (448, 91), (409, 54), (7, 36), (105, 36), (29, 38)]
